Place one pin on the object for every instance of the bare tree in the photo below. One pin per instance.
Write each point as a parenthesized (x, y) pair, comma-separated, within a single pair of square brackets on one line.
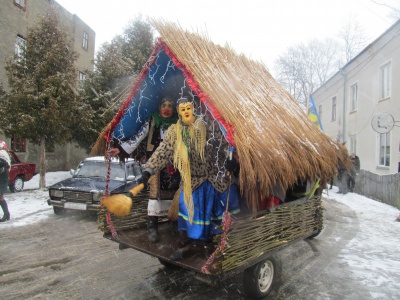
[(305, 67), (353, 38), (395, 11)]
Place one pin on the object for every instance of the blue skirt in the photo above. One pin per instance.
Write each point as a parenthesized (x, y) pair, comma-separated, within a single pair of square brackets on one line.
[(209, 205)]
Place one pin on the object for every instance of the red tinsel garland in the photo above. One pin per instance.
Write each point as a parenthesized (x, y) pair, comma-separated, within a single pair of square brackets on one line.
[(106, 194), (227, 222)]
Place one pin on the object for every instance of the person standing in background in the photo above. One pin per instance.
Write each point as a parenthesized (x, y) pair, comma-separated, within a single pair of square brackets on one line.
[(5, 164), (355, 168)]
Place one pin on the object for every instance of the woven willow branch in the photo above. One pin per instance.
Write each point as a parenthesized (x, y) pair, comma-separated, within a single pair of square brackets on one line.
[(251, 238), (135, 219)]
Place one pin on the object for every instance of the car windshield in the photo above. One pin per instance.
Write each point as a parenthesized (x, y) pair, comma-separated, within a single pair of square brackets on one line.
[(99, 169)]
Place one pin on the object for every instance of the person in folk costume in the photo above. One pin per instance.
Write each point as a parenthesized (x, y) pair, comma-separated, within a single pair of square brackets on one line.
[(195, 149), (167, 179), (5, 164)]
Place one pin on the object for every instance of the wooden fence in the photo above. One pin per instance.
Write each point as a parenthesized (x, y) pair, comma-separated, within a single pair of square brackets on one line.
[(385, 189)]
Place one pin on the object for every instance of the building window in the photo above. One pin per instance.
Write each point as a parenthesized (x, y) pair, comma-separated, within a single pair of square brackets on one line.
[(20, 44), (21, 4), (353, 144), (82, 77), (354, 96), (18, 144), (384, 149), (85, 40), (333, 108), (386, 80), (320, 111)]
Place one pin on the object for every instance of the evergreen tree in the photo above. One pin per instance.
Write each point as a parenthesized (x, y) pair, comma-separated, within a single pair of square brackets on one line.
[(43, 104), (104, 89), (116, 66), (138, 43)]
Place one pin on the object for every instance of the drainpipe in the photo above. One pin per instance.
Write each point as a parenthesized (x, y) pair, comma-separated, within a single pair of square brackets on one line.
[(344, 104)]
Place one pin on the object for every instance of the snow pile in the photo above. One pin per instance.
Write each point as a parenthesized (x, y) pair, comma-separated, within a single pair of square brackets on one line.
[(372, 252), (31, 205)]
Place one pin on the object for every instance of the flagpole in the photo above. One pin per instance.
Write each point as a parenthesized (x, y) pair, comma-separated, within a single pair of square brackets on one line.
[(313, 114)]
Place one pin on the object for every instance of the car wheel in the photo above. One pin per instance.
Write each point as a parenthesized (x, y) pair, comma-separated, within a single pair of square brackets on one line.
[(18, 185), (59, 210), (262, 278)]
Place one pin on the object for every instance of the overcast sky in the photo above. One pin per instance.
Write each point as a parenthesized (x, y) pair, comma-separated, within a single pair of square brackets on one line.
[(261, 29)]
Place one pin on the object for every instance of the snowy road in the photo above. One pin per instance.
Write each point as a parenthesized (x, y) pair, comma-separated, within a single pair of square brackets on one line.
[(44, 256)]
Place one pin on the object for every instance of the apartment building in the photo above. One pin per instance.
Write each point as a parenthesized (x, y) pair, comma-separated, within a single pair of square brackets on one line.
[(16, 18)]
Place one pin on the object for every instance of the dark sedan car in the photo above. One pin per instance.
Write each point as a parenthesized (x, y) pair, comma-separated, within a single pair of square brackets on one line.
[(86, 187)]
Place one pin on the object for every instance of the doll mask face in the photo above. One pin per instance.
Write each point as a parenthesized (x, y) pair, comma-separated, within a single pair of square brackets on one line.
[(186, 111), (166, 109)]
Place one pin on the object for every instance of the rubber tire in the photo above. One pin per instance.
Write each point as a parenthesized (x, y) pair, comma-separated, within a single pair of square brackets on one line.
[(167, 264), (260, 279), (314, 235), (18, 185), (59, 210)]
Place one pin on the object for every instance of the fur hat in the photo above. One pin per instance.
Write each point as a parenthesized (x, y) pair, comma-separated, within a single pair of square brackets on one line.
[(164, 99)]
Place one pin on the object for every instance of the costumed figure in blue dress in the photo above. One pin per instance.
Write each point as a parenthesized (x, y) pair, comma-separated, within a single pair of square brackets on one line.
[(199, 152)]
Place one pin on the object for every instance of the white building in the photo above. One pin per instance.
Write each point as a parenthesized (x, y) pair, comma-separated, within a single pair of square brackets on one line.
[(365, 87)]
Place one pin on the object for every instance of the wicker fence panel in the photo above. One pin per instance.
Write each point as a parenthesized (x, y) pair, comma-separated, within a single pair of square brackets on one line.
[(251, 238), (137, 217)]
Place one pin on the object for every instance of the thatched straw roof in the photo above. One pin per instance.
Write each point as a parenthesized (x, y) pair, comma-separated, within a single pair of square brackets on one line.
[(275, 141)]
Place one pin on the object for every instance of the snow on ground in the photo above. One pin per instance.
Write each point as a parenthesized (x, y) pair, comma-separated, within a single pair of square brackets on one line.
[(372, 253), (31, 205)]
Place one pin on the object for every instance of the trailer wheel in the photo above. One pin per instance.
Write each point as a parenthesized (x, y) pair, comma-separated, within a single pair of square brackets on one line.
[(315, 234), (262, 278)]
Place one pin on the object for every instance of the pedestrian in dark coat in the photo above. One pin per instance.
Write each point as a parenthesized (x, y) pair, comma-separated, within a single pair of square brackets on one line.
[(355, 168), (342, 176), (5, 164)]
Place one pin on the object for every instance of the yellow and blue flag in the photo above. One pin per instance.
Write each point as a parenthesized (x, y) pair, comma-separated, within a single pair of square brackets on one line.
[(313, 114)]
